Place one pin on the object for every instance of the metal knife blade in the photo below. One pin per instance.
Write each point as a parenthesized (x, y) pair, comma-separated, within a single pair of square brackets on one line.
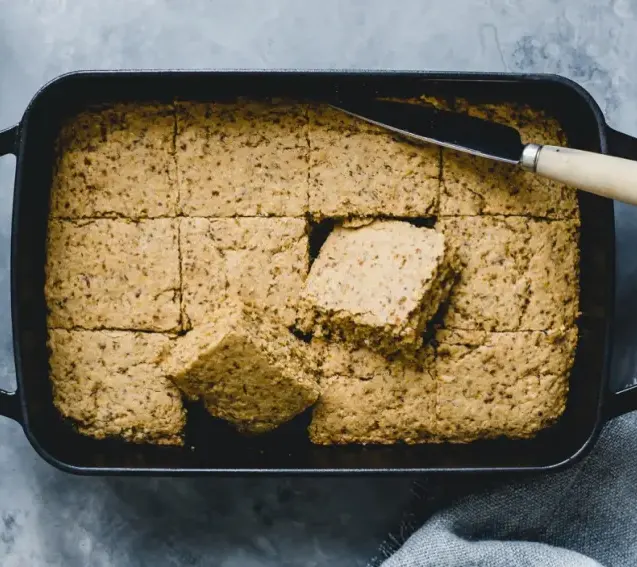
[(451, 130)]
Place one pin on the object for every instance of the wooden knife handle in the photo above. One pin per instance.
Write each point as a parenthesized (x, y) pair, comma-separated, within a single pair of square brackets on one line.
[(608, 176)]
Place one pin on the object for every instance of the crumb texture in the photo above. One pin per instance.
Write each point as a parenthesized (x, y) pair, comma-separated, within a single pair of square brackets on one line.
[(116, 274), (117, 161), (249, 371), (245, 158), (366, 398), (358, 170), (517, 273), (107, 383), (261, 261)]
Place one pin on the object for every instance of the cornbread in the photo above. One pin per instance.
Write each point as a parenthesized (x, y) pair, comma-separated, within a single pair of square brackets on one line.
[(106, 382), (113, 274), (242, 159), (492, 384), (261, 261), (473, 185), (117, 161), (518, 274), (379, 284), (250, 371), (359, 170), (366, 398)]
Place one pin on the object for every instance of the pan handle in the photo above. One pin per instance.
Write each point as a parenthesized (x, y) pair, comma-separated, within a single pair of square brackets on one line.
[(9, 401), (619, 403)]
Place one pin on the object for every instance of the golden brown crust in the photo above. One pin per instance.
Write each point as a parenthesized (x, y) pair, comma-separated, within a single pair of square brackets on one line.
[(242, 159), (518, 273), (378, 285), (357, 170), (248, 370), (115, 274), (261, 261), (492, 384), (118, 161), (107, 383), (366, 398)]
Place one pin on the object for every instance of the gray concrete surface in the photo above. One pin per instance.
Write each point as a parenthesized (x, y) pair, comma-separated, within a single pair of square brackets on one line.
[(49, 518)]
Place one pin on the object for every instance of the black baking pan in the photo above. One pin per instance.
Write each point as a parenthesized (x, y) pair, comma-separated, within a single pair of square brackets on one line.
[(213, 448)]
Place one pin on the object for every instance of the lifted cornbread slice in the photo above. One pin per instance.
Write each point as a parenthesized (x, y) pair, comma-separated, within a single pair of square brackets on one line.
[(359, 170), (473, 185), (118, 161), (106, 382), (517, 274), (262, 261), (251, 372), (379, 285), (246, 158), (493, 384), (366, 398), (114, 274)]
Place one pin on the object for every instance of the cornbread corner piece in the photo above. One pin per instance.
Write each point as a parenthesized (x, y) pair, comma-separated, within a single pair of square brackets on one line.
[(261, 261), (359, 170), (106, 382), (115, 274), (249, 371), (473, 185), (117, 161), (368, 399), (379, 285), (501, 384), (240, 159), (517, 273)]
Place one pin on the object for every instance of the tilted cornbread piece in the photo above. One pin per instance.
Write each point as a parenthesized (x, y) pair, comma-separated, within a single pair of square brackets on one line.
[(494, 384), (366, 398), (261, 261), (243, 158), (379, 285), (113, 273), (106, 382), (116, 161), (249, 371), (517, 274), (359, 170), (473, 185)]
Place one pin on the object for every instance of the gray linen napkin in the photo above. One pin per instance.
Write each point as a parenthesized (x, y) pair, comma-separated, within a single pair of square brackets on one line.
[(581, 517)]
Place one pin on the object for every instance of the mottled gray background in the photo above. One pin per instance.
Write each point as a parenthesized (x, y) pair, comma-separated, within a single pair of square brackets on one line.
[(49, 518)]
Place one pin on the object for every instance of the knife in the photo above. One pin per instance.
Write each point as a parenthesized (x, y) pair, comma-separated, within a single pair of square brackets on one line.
[(608, 176)]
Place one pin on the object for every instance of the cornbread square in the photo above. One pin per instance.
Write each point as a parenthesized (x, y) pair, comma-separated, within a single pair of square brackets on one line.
[(359, 170), (379, 285), (117, 161), (518, 274), (249, 371), (493, 384), (106, 382), (477, 186), (366, 398), (261, 261), (116, 274), (473, 185), (245, 158)]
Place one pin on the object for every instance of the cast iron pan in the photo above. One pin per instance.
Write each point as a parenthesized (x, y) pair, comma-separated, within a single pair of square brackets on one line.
[(212, 447)]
